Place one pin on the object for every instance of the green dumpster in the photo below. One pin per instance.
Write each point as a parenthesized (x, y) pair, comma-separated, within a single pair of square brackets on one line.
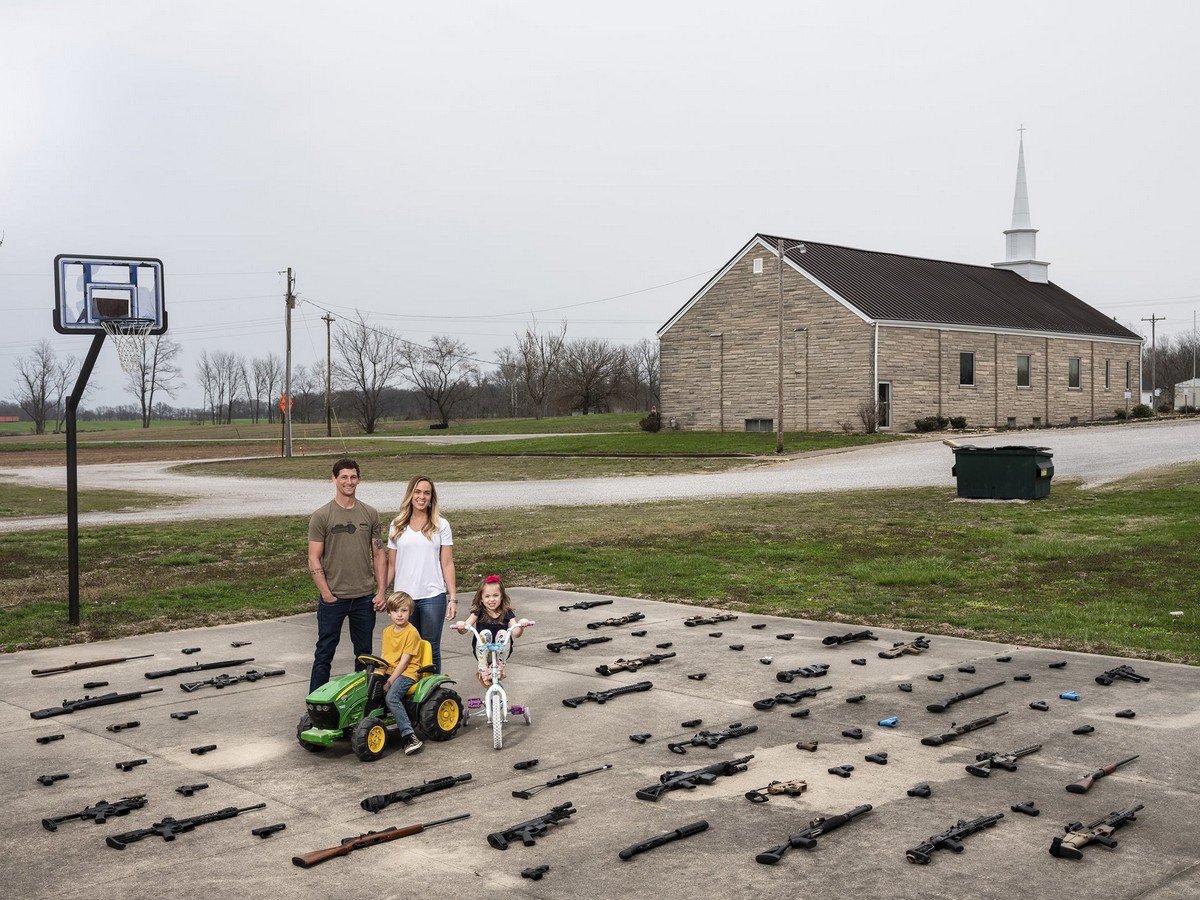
[(1003, 473)]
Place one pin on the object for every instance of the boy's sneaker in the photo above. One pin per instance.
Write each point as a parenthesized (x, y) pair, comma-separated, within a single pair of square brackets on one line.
[(411, 743)]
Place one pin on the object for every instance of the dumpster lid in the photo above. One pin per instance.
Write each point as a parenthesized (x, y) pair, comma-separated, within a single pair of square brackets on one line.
[(1011, 450)]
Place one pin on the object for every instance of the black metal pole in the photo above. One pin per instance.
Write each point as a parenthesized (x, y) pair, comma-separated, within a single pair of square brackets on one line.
[(85, 372)]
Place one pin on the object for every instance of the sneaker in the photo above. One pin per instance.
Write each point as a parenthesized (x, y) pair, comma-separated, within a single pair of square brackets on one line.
[(411, 744)]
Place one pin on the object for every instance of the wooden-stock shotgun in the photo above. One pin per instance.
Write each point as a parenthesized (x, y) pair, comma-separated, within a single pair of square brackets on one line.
[(1081, 786)]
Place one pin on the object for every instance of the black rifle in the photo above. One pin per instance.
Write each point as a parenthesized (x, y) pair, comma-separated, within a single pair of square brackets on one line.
[(100, 812), (1081, 786), (618, 620), (1006, 761), (574, 643), (225, 680), (1100, 832), (632, 665), (951, 838), (382, 801), (169, 827), (525, 832), (917, 645), (835, 639), (1125, 672), (808, 837), (793, 697), (814, 671), (75, 667), (363, 841), (709, 620), (584, 604), (673, 781), (199, 667), (70, 706), (605, 696), (957, 731), (712, 739), (557, 780), (657, 841), (942, 705)]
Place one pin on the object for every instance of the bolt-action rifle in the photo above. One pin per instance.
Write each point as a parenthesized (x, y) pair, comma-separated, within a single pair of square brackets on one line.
[(957, 731), (793, 697), (917, 645), (99, 812), (574, 643), (225, 680), (382, 801), (618, 620), (807, 838), (363, 841), (693, 621), (70, 706), (200, 667), (526, 832), (632, 665), (673, 781), (1099, 832), (984, 762), (75, 667), (950, 839), (1083, 784), (557, 780), (834, 639), (712, 739), (942, 705), (169, 827), (605, 696), (658, 840)]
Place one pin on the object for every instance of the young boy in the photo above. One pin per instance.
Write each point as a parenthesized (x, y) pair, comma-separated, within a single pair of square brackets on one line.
[(401, 644)]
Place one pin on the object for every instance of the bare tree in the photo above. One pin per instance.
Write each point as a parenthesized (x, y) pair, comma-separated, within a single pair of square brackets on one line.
[(42, 384), (221, 377), (643, 362), (308, 391), (540, 356), (508, 379), (369, 361), (156, 372), (265, 374), (590, 368), (442, 373)]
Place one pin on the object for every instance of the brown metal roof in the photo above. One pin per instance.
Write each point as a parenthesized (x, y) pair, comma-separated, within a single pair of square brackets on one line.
[(891, 287)]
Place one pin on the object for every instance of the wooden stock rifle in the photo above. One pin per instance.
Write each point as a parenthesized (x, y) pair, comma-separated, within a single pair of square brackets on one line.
[(363, 841), (75, 667)]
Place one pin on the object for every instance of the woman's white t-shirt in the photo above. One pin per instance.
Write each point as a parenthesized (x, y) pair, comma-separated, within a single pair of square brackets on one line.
[(419, 561)]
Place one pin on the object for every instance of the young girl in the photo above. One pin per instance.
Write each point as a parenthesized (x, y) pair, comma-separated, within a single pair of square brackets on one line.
[(491, 609)]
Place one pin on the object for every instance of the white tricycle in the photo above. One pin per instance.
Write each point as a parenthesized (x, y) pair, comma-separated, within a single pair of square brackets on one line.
[(491, 651)]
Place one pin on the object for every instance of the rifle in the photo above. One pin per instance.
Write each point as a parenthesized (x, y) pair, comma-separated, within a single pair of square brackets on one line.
[(1100, 832), (99, 812), (1125, 672), (70, 706), (941, 705), (808, 837), (605, 696), (557, 780), (75, 667), (793, 788), (169, 827), (673, 781), (584, 604), (632, 665), (525, 832), (1081, 786), (199, 667), (835, 639), (225, 679), (659, 840), (363, 841), (708, 620), (957, 731), (712, 739), (950, 839), (618, 620), (382, 801), (794, 697), (814, 671), (574, 643), (1006, 761), (918, 645)]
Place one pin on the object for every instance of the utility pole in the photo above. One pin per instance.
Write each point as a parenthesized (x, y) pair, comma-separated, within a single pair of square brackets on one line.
[(1153, 361), (290, 300), (328, 320)]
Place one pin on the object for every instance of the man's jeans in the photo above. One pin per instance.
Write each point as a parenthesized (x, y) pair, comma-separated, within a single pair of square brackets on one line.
[(330, 617)]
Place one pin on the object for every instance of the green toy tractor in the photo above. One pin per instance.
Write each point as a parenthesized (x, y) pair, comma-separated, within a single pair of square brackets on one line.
[(350, 707)]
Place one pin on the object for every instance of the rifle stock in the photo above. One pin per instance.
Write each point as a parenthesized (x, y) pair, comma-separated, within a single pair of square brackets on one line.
[(1084, 784)]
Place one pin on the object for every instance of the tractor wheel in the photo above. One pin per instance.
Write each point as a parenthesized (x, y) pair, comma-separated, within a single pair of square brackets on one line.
[(496, 712), (368, 739), (441, 715), (303, 726)]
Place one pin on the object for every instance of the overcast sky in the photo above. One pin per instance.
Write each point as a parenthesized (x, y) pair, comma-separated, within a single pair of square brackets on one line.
[(458, 169)]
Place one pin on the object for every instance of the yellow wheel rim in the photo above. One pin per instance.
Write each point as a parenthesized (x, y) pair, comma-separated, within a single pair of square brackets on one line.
[(447, 715), (376, 739)]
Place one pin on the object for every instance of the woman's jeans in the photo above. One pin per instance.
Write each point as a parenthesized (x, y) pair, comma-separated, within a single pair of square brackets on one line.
[(428, 619)]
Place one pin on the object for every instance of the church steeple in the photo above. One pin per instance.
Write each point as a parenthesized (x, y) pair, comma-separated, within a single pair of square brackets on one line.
[(1021, 239)]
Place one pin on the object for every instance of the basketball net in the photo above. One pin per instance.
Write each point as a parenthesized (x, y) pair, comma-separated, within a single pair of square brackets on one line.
[(129, 337)]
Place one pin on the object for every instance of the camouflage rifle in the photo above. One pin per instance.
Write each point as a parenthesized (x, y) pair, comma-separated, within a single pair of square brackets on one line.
[(1099, 832)]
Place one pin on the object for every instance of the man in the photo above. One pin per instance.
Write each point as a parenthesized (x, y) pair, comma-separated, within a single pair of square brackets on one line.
[(348, 562)]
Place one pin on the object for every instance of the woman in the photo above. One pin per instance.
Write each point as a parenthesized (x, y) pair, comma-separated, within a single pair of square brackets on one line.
[(421, 561)]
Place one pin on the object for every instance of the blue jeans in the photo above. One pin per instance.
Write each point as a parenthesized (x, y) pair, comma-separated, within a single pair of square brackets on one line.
[(394, 701), (428, 619), (330, 617)]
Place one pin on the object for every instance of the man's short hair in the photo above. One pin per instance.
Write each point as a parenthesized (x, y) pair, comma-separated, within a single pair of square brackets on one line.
[(345, 463)]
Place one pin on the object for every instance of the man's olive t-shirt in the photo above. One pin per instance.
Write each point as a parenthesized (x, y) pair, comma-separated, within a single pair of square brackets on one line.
[(349, 536)]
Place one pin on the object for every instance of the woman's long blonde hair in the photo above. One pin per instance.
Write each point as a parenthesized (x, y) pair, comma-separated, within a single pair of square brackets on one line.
[(406, 510)]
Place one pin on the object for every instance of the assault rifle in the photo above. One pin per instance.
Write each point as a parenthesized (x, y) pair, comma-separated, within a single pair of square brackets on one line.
[(100, 812), (225, 680), (632, 665), (169, 827), (957, 731), (1083, 784), (75, 667), (363, 841), (605, 696), (70, 706), (525, 832), (1100, 832), (808, 837), (574, 643), (557, 780), (917, 645), (814, 671), (199, 667), (584, 604), (658, 840), (618, 620), (673, 781), (950, 839), (942, 705), (834, 639), (793, 697), (382, 801), (712, 739), (708, 620), (1006, 761), (1125, 672)]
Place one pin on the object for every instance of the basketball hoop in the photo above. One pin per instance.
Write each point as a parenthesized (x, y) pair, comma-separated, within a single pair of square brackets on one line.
[(129, 337)]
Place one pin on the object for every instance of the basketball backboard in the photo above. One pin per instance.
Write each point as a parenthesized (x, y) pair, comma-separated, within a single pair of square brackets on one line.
[(89, 290)]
